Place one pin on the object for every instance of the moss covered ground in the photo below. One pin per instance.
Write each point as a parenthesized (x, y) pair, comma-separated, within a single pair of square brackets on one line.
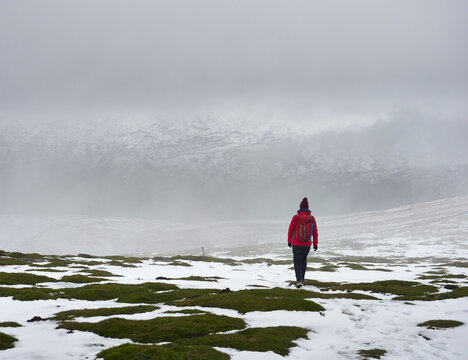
[(372, 353), (277, 339), (160, 329), (9, 324), (126, 310), (245, 301), (23, 279), (164, 352), (7, 341), (441, 324)]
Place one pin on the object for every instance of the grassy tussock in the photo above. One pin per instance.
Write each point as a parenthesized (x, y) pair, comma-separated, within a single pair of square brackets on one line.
[(160, 329), (245, 301), (126, 310), (7, 341), (372, 353), (277, 339), (441, 324), (23, 279), (9, 324), (81, 279), (171, 351)]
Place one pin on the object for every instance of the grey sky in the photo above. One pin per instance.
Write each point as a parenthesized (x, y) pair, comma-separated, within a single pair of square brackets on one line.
[(289, 59)]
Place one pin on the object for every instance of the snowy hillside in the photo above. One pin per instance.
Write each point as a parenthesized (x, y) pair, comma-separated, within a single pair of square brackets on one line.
[(435, 227), (389, 284)]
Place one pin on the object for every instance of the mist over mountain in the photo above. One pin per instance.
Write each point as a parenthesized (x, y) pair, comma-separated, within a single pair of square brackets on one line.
[(223, 169)]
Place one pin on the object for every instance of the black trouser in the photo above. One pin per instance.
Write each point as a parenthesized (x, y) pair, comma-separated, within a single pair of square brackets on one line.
[(300, 261)]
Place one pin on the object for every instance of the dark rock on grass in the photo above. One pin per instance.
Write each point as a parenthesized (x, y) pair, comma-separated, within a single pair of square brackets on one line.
[(171, 351), (36, 318), (23, 279), (160, 329), (451, 287), (277, 339), (126, 310), (162, 278), (7, 341), (372, 353), (245, 301), (81, 279), (9, 324), (441, 324), (227, 290)]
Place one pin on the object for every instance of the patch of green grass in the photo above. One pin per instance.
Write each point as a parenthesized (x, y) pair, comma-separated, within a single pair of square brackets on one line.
[(462, 264), (46, 270), (126, 310), (55, 262), (442, 277), (121, 264), (441, 324), (454, 294), (186, 311), (362, 259), (23, 279), (129, 293), (9, 324), (126, 259), (86, 256), (372, 353), (277, 339), (7, 341), (354, 266), (199, 278), (326, 267), (28, 294), (164, 352), (265, 261), (5, 261), (407, 290), (146, 293), (81, 279), (245, 301), (96, 272), (205, 259), (24, 256), (159, 329), (179, 263), (397, 287), (320, 284)]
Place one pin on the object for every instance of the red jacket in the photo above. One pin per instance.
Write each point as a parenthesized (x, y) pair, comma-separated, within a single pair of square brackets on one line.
[(292, 227)]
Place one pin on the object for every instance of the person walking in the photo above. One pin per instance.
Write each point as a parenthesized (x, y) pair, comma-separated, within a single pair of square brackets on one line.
[(302, 234)]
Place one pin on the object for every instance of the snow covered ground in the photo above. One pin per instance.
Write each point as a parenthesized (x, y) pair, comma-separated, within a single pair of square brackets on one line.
[(407, 242)]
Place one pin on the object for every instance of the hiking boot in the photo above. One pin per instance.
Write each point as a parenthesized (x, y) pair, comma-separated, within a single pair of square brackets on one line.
[(299, 284)]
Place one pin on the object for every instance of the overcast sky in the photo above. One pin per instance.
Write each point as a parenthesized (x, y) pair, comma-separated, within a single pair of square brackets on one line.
[(286, 59)]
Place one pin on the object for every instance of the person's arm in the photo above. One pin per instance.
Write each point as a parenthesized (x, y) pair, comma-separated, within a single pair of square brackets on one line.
[(292, 227), (314, 233)]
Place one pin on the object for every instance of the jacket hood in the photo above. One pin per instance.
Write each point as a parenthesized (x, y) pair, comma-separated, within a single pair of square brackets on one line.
[(303, 210)]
